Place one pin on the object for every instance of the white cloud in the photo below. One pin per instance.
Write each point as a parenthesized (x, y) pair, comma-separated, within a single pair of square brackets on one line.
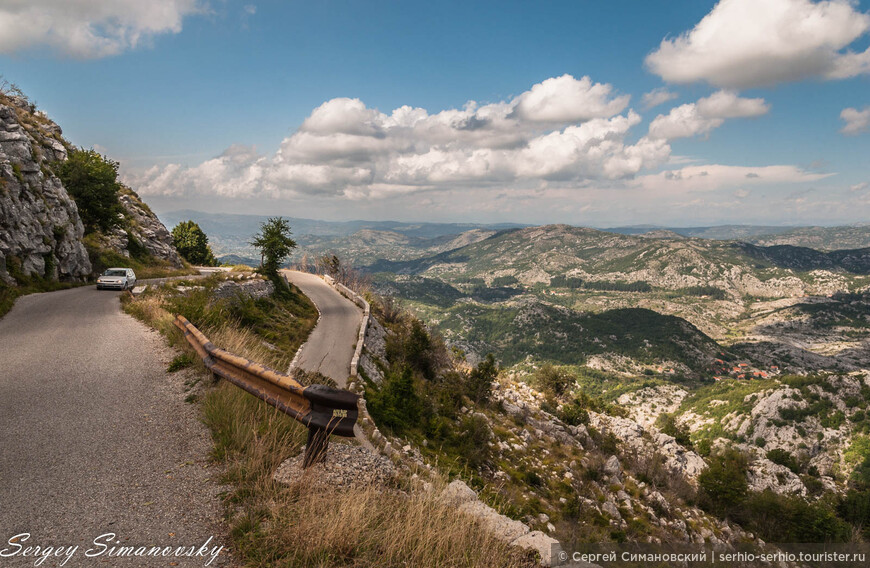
[(751, 43), (859, 187), (486, 161), (857, 121), (692, 119), (566, 99), (712, 177), (657, 96), (89, 28), (561, 129)]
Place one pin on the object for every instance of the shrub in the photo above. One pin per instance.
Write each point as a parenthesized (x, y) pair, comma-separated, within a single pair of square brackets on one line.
[(574, 414), (855, 509), (553, 380), (479, 383), (723, 484), (669, 426), (396, 404), (783, 458), (782, 518), (473, 439), (180, 362)]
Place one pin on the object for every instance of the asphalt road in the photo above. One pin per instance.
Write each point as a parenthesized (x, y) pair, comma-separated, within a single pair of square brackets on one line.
[(330, 346), (95, 437)]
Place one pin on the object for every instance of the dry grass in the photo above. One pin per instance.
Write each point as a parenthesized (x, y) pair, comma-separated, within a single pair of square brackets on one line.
[(273, 525), (245, 343), (377, 527)]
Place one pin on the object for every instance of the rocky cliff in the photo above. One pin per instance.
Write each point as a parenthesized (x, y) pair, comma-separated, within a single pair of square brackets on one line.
[(40, 229), (141, 232), (41, 232)]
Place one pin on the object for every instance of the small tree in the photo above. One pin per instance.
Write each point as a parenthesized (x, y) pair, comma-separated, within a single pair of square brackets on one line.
[(553, 380), (274, 244), (723, 484), (192, 244), (479, 382), (92, 180)]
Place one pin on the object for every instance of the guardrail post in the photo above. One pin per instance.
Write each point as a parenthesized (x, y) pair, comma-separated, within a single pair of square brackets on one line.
[(315, 449)]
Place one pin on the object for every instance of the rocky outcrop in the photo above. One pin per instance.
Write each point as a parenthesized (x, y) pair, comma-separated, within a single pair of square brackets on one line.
[(255, 288), (144, 226), (40, 228), (458, 495), (140, 232)]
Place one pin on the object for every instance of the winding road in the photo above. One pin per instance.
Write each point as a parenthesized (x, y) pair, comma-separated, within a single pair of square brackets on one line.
[(330, 346), (95, 437)]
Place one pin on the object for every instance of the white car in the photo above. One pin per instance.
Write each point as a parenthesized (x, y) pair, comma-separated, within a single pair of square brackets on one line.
[(117, 279)]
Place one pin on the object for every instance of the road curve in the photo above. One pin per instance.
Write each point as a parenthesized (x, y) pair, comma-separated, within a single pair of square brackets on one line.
[(330, 346), (95, 436)]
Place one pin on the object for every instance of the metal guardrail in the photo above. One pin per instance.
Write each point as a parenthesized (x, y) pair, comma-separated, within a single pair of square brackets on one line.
[(324, 410)]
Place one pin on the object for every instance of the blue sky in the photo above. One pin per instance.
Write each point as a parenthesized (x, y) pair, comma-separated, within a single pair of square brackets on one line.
[(287, 107)]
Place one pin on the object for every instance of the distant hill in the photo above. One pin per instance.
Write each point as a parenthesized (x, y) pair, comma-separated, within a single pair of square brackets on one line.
[(821, 238), (567, 294), (718, 232), (355, 242), (536, 255)]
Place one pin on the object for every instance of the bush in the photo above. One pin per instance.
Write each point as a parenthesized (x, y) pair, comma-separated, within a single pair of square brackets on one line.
[(473, 439), (855, 509), (669, 426), (396, 404), (479, 383), (180, 362), (553, 380), (782, 518), (574, 414), (723, 484), (92, 180), (782, 457)]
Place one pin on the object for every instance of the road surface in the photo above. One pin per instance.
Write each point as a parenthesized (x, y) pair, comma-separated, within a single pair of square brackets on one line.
[(95, 436), (330, 346)]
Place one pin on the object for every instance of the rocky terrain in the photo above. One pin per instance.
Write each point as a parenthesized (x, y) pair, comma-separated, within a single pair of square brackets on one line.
[(143, 227), (40, 229), (820, 238), (605, 478), (671, 352), (41, 232)]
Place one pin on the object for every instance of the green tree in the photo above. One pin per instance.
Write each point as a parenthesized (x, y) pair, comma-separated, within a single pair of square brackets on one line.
[(274, 243), (192, 244), (553, 380), (92, 180), (723, 483), (396, 404), (479, 383)]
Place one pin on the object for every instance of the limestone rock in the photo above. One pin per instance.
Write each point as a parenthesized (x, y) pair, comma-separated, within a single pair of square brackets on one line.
[(546, 546), (502, 527), (146, 228), (457, 493), (40, 228)]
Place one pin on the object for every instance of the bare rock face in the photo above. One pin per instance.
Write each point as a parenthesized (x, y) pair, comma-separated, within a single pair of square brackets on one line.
[(146, 228), (40, 228)]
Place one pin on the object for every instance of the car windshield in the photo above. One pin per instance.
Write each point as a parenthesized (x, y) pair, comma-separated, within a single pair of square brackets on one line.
[(111, 272)]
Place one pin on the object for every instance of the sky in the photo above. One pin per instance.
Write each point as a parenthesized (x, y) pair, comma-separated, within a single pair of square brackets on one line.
[(661, 112)]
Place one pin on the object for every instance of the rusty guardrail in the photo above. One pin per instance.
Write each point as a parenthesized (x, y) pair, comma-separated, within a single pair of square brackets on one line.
[(324, 410)]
